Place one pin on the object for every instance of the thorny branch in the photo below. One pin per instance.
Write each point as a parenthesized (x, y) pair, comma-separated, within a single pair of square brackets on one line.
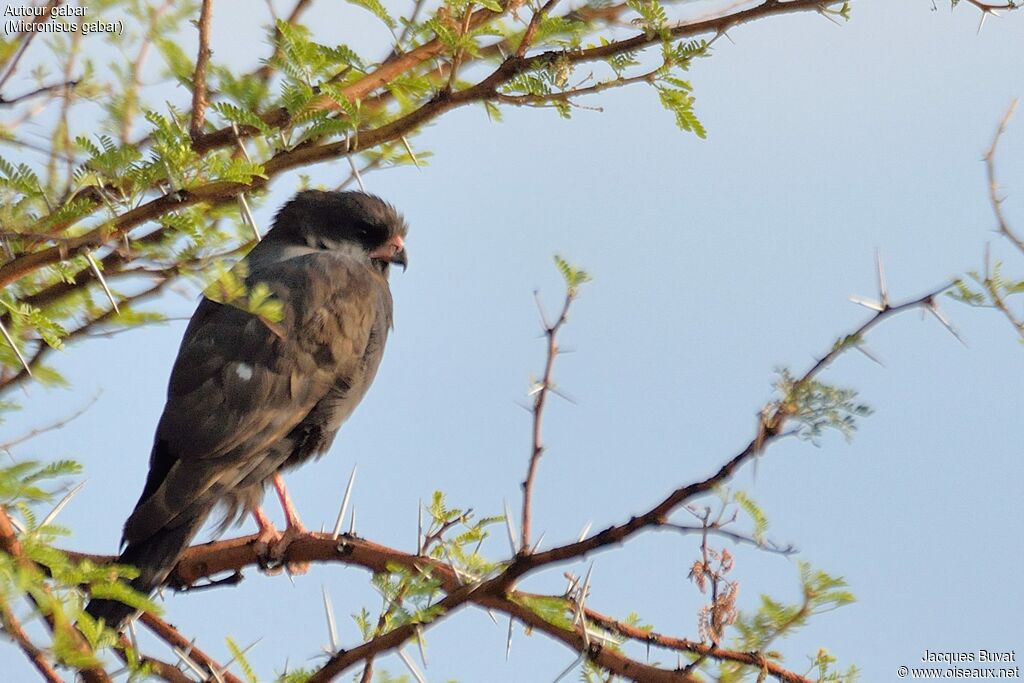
[(221, 192), (540, 392), (995, 287), (497, 592), (199, 79), (58, 424), (12, 627), (170, 635), (11, 545), (993, 182), (9, 379), (105, 238), (186, 649)]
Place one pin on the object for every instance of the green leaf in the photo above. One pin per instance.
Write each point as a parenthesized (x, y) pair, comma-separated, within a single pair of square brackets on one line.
[(574, 277), (242, 117), (554, 610), (378, 10), (243, 663), (755, 513)]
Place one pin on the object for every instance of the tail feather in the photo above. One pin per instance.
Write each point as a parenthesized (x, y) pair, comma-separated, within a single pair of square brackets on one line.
[(155, 557)]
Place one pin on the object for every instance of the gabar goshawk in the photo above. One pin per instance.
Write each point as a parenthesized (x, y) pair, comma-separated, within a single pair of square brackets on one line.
[(249, 398)]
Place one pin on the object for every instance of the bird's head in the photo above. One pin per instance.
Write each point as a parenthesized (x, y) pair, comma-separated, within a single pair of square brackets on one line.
[(355, 222)]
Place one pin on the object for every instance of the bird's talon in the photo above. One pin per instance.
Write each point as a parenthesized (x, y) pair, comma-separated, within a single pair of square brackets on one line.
[(279, 549)]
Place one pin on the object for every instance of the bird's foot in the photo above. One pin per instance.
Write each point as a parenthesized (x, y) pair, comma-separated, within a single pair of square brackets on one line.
[(271, 548), (279, 549)]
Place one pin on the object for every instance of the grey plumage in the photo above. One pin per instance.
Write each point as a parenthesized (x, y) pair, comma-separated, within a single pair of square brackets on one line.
[(248, 398)]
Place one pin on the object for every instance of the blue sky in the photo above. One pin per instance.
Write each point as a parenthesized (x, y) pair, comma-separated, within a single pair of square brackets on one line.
[(714, 262)]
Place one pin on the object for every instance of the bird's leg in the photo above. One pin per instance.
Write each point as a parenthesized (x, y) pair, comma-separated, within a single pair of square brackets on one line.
[(293, 529), (267, 531), (267, 537), (290, 515)]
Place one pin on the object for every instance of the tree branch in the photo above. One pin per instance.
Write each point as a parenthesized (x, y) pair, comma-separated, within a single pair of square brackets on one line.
[(25, 38), (10, 545), (496, 592), (59, 424), (993, 183), (220, 192), (651, 637), (13, 629), (541, 391), (170, 635), (44, 90), (199, 79)]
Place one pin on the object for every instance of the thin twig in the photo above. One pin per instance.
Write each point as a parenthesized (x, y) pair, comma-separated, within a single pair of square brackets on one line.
[(26, 37), (44, 90), (541, 391), (199, 79), (531, 28), (732, 536), (267, 70), (993, 184)]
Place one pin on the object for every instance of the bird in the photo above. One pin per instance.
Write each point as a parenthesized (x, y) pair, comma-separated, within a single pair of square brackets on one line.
[(249, 397)]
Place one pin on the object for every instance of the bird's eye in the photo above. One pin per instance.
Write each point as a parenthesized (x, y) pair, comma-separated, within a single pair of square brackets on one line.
[(320, 244)]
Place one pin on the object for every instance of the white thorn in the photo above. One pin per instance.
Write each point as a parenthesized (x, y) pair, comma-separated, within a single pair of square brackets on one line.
[(539, 541), (344, 503), (586, 585), (422, 646), (867, 303), (508, 639), (411, 666), (352, 522), (331, 627), (241, 145), (570, 668), (103, 282), (355, 172), (247, 216), (984, 15), (184, 659), (133, 637), (584, 532), (510, 527), (60, 505), (419, 528), (240, 652), (408, 149), (863, 349), (490, 613), (934, 308), (451, 563), (883, 291), (826, 15)]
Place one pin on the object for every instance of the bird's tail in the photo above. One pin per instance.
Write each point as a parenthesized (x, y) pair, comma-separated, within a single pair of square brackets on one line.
[(154, 557)]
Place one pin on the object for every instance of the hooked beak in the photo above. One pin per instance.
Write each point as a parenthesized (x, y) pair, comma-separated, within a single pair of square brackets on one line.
[(400, 259), (392, 251)]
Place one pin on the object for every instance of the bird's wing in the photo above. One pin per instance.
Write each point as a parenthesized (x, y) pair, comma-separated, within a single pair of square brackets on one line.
[(240, 384)]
